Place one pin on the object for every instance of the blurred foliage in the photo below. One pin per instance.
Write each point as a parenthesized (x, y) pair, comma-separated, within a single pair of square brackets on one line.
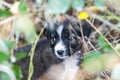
[(105, 47), (3, 57), (22, 7), (28, 28), (5, 13), (100, 4), (98, 61), (21, 24), (17, 70), (93, 62), (4, 76), (5, 50), (62, 6), (20, 55)]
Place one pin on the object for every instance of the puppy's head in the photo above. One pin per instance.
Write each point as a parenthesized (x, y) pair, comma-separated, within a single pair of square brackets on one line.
[(61, 38), (57, 34)]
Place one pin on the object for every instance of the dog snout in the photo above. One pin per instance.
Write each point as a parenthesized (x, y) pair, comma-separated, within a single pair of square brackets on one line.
[(60, 52)]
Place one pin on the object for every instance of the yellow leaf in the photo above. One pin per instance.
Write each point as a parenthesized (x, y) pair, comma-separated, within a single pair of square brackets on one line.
[(83, 15)]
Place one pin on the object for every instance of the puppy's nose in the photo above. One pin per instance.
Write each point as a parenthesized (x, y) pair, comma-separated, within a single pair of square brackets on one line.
[(60, 52)]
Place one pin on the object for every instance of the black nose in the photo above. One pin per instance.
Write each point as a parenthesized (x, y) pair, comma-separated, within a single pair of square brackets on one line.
[(60, 52)]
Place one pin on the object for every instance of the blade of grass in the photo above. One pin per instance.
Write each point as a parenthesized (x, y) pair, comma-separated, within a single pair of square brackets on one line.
[(30, 72)]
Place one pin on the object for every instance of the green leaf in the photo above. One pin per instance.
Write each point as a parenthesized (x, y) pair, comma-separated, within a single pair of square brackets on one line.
[(3, 57), (107, 49), (21, 55), (4, 76), (94, 54), (25, 25), (57, 6), (93, 66), (100, 4), (78, 4), (104, 45), (17, 71), (9, 44), (93, 62), (101, 41), (5, 13), (3, 47), (22, 7)]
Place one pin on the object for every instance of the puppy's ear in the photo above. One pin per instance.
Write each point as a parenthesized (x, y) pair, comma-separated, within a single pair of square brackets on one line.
[(47, 30), (86, 28)]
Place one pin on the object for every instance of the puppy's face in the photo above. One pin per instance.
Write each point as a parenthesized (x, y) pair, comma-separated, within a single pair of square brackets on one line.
[(61, 39)]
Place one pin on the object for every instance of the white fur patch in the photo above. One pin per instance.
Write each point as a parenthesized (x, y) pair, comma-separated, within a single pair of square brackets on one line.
[(60, 46), (71, 67), (59, 30)]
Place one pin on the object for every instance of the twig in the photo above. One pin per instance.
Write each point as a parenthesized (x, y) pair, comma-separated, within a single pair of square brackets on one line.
[(5, 4), (97, 49), (7, 20), (106, 76), (91, 45), (12, 30), (84, 42)]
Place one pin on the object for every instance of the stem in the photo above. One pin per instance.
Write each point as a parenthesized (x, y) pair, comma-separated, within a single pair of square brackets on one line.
[(31, 66)]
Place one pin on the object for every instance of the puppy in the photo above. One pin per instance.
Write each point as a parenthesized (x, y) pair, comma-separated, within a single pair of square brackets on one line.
[(54, 57)]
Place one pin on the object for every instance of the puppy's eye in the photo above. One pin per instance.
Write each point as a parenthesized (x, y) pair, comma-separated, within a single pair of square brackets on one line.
[(72, 38), (53, 39)]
